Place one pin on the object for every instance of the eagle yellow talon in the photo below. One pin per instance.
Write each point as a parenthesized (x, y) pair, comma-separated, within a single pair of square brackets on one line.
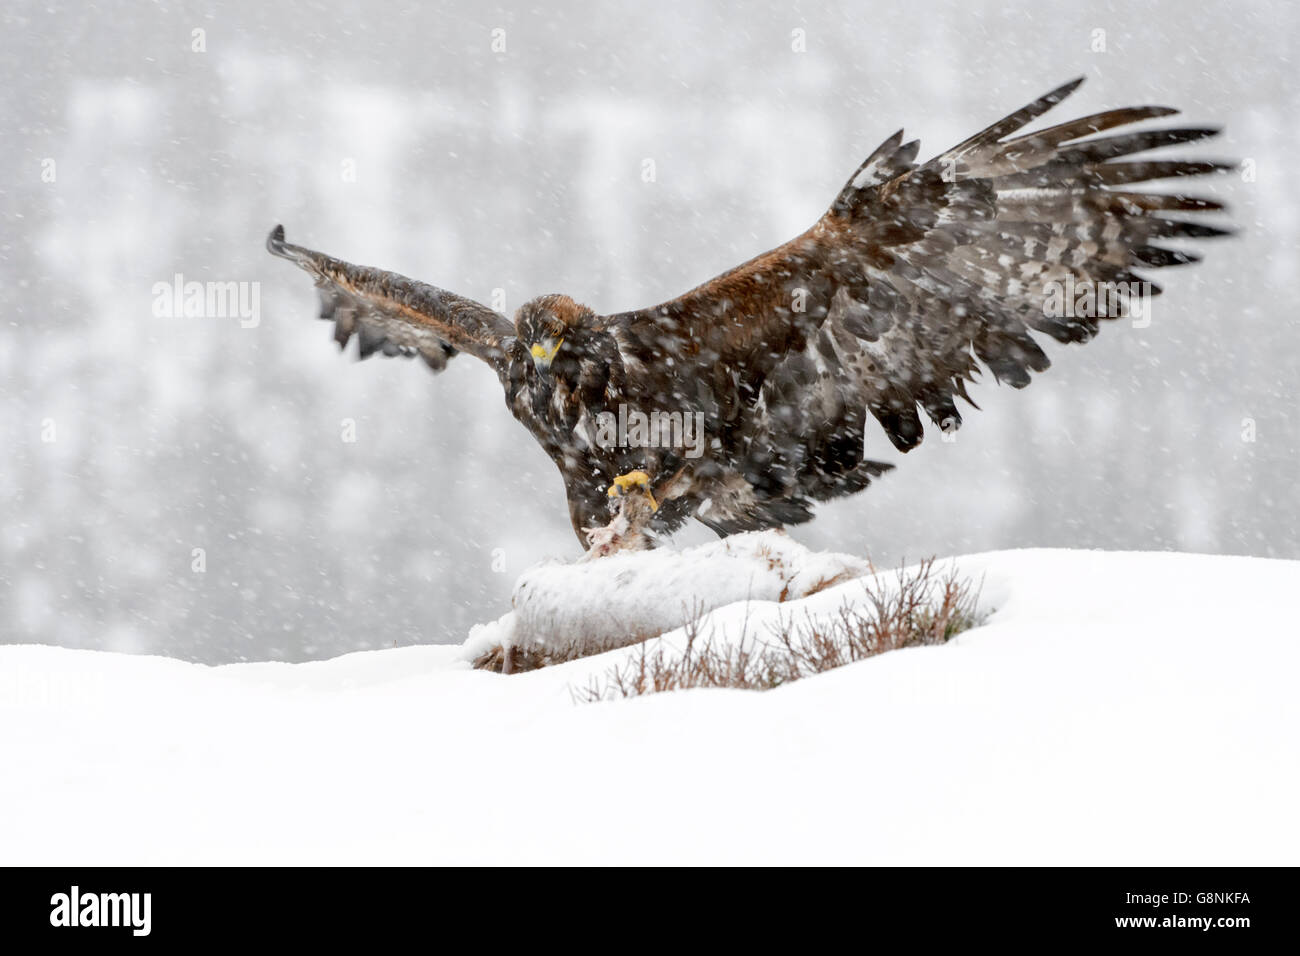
[(633, 479)]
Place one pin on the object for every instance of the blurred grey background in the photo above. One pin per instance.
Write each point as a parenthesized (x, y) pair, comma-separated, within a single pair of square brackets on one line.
[(182, 486)]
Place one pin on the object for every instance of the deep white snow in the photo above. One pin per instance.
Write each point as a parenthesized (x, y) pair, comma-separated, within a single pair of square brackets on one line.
[(1117, 708), (624, 597)]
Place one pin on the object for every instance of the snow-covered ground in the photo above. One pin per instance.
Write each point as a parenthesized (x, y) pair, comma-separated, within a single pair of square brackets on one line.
[(1116, 708)]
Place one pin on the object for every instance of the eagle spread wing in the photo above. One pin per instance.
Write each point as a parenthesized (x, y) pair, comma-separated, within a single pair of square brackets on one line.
[(884, 307), (392, 314)]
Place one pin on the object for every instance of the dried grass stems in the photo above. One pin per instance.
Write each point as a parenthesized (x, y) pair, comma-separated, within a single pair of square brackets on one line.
[(918, 607)]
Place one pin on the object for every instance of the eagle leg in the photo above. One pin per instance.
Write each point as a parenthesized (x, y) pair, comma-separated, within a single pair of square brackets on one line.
[(628, 530), (633, 479)]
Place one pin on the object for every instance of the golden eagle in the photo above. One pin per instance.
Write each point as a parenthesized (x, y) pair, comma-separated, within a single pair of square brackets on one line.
[(744, 401)]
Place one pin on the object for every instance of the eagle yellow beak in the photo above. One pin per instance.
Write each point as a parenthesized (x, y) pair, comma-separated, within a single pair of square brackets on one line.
[(544, 352)]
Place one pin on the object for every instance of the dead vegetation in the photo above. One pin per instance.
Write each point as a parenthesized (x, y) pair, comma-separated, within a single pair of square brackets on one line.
[(913, 608), (516, 660)]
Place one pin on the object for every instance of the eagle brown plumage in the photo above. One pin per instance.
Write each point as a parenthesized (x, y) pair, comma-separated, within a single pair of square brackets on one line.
[(885, 307)]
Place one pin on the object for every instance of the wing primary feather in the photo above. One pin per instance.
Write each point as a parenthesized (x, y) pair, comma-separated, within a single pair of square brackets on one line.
[(397, 316)]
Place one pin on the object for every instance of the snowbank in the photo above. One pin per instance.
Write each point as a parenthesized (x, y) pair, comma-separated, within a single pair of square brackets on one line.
[(625, 598), (1115, 709)]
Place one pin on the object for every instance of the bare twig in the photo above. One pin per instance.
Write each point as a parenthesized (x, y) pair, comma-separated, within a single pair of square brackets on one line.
[(913, 609)]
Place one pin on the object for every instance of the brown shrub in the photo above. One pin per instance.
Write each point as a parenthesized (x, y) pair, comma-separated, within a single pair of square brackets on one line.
[(922, 608)]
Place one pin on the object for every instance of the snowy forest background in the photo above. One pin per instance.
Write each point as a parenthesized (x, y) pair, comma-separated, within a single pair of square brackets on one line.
[(131, 440)]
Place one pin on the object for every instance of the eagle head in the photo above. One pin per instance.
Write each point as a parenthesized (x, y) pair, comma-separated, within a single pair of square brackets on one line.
[(544, 324)]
